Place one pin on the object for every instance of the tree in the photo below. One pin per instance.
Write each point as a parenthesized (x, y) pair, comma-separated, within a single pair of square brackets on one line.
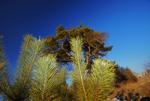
[(124, 75), (2, 55), (19, 89), (93, 44), (4, 84), (95, 86), (47, 79), (38, 77)]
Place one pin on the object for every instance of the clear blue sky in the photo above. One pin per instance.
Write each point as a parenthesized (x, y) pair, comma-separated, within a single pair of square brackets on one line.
[(126, 21)]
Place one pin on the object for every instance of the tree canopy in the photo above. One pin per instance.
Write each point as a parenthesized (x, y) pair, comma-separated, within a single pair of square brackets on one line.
[(94, 44)]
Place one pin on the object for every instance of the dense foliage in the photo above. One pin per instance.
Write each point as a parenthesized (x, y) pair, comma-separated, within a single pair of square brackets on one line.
[(94, 86), (40, 77), (94, 44)]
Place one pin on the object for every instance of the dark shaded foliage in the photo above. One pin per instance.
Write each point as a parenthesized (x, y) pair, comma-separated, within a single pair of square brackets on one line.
[(124, 75), (93, 44)]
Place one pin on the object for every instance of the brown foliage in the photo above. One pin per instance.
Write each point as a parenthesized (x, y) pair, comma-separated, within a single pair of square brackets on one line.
[(125, 75), (140, 86), (93, 44)]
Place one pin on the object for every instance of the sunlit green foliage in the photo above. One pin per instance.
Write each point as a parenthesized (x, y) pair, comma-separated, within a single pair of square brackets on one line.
[(94, 86), (102, 76), (29, 54), (78, 75), (39, 77), (2, 55), (47, 78), (19, 89), (5, 89)]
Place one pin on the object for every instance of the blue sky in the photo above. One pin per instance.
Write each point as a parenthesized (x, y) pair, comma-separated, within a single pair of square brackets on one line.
[(127, 23)]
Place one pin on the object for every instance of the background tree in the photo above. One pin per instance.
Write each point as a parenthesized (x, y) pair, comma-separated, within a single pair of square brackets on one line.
[(124, 75), (93, 44)]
